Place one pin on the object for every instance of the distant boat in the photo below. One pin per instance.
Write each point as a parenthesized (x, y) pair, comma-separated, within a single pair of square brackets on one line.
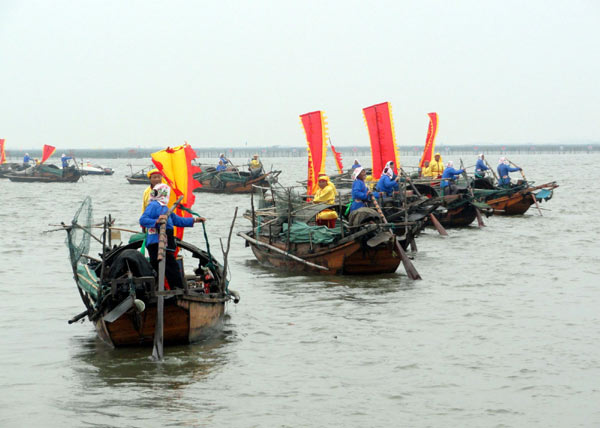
[(233, 180), (46, 174), (87, 168), (139, 177)]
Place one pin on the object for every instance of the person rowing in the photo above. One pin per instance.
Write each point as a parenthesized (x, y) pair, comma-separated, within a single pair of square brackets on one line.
[(360, 192), (503, 169), (448, 176), (154, 215), (480, 166), (388, 182)]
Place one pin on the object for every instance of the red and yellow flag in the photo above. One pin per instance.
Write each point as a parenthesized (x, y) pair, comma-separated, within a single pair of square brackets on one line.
[(2, 154), (175, 165), (380, 125), (315, 129), (47, 151), (430, 140), (338, 158)]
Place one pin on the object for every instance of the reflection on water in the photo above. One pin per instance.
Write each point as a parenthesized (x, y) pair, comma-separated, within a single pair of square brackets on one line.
[(498, 333)]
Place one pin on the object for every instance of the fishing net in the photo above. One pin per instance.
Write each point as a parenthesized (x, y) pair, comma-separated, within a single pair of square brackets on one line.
[(78, 235)]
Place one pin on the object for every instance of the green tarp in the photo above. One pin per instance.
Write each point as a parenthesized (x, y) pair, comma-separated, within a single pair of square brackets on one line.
[(301, 232)]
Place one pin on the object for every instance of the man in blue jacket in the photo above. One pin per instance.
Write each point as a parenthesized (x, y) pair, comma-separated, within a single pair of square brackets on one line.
[(387, 183), (154, 215), (65, 160), (360, 192), (448, 176), (480, 167), (503, 169)]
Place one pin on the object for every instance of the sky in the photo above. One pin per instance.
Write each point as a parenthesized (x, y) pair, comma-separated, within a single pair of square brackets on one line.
[(116, 74)]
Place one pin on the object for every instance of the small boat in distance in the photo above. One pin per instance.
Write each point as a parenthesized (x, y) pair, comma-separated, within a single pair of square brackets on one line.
[(232, 180), (88, 168), (139, 177), (46, 173)]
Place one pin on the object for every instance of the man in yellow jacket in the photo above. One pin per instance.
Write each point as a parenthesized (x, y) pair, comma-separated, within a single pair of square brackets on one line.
[(155, 178), (435, 168), (326, 194)]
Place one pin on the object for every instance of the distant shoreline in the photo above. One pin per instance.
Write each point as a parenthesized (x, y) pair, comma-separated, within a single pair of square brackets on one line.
[(347, 152)]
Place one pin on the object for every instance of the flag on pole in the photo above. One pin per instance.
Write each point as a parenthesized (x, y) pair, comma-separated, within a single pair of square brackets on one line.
[(315, 129), (430, 140), (47, 151), (2, 154), (380, 125), (175, 165), (338, 158)]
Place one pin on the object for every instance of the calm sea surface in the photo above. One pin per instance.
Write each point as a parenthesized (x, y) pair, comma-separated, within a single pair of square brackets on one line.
[(504, 330)]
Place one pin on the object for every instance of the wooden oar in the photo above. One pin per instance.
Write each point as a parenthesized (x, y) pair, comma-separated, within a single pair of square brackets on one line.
[(480, 222), (491, 169), (157, 350), (280, 251), (527, 182), (411, 271), (438, 226)]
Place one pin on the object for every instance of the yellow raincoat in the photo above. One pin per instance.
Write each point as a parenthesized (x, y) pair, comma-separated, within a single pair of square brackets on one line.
[(326, 195), (435, 168)]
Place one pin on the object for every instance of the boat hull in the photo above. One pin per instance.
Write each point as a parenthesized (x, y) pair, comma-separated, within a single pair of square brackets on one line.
[(43, 179), (186, 320), (515, 204), (350, 258), (232, 187)]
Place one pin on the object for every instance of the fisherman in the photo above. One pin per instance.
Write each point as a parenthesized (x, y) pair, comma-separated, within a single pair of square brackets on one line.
[(503, 169), (223, 159), (156, 214), (480, 167), (355, 165), (436, 166), (448, 176), (387, 183), (424, 170), (255, 166), (360, 191), (326, 194), (26, 160), (221, 166), (65, 160), (155, 178)]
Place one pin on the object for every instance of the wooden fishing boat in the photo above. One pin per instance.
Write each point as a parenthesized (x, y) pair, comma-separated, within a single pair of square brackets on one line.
[(362, 246), (458, 210), (10, 168), (139, 177), (46, 174), (515, 200), (120, 290), (232, 180)]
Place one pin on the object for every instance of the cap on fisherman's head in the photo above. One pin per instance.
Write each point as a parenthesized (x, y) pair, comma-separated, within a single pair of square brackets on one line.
[(153, 171)]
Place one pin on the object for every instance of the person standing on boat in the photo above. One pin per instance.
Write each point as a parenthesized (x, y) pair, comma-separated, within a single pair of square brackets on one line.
[(480, 167), (65, 160), (155, 178), (223, 159), (360, 192), (355, 165), (436, 166), (325, 194), (26, 160), (388, 183), (156, 214), (448, 176), (503, 169)]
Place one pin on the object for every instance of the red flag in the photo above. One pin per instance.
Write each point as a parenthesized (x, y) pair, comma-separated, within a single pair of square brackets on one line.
[(315, 128), (430, 140), (2, 154), (380, 125), (175, 165), (47, 151), (338, 158)]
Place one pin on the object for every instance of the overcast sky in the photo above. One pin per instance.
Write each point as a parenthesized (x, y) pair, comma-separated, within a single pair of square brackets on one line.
[(108, 74)]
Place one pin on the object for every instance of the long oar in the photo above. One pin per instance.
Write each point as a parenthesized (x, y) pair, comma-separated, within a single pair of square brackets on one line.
[(491, 169), (157, 350), (411, 271), (438, 226), (480, 222), (527, 182)]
